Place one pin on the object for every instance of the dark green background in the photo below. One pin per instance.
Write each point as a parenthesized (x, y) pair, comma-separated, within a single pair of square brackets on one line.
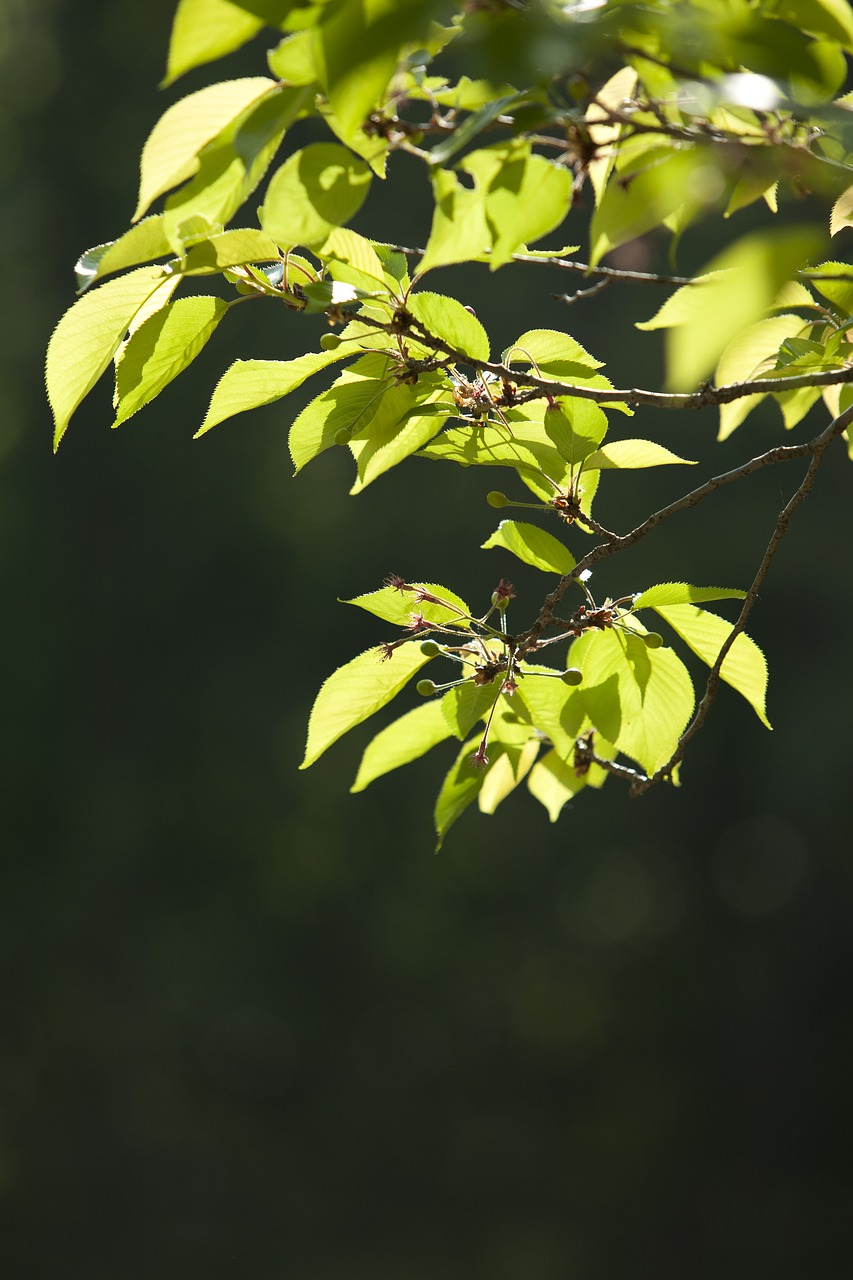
[(251, 1026)]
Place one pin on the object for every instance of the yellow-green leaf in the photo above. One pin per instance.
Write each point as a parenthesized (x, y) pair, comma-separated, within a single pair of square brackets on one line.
[(162, 348), (553, 783), (142, 243), (745, 667), (397, 606), (248, 384), (532, 545), (405, 740), (316, 190), (89, 334), (355, 692), (624, 455), (507, 771), (748, 355), (667, 593), (170, 155), (460, 232), (448, 319), (203, 30)]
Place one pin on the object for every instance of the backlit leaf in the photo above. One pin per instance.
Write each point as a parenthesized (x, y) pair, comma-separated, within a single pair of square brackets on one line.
[(355, 692), (458, 790), (397, 606), (526, 196), (746, 356), (460, 232), (532, 545), (668, 593), (142, 243), (623, 455), (553, 782), (203, 30), (449, 320), (745, 667), (248, 384), (505, 774), (317, 189), (403, 741)]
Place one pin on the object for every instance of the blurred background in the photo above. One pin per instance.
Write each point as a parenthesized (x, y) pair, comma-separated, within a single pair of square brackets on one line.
[(251, 1026)]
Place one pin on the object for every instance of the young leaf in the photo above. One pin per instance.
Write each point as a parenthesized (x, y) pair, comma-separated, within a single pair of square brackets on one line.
[(458, 790), (554, 708), (344, 245), (553, 783), (449, 320), (89, 334), (142, 243), (640, 699), (460, 232), (463, 706), (506, 772), (355, 691), (162, 348), (316, 190), (405, 740), (349, 404), (170, 155), (229, 249), (746, 356), (745, 667), (556, 354), (623, 455), (248, 384), (526, 196), (532, 545), (666, 593), (576, 427), (397, 606), (203, 30), (406, 419)]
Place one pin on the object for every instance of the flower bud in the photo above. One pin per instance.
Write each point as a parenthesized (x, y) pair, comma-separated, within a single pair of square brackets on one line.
[(430, 649), (425, 688), (343, 435), (330, 342), (572, 676), (496, 498), (653, 640)]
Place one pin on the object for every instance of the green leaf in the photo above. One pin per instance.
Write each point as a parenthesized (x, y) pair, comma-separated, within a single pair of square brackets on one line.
[(355, 691), (556, 354), (344, 245), (506, 772), (203, 30), (746, 356), (463, 706), (405, 740), (316, 190), (460, 232), (248, 384), (667, 593), (737, 288), (623, 455), (406, 419), (162, 348), (554, 708), (745, 667), (292, 61), (839, 292), (472, 126), (553, 783), (229, 249), (576, 427), (842, 212), (449, 320), (526, 196), (170, 155), (458, 790), (532, 545), (645, 193), (611, 95), (396, 606), (349, 403), (142, 243), (640, 699), (89, 334)]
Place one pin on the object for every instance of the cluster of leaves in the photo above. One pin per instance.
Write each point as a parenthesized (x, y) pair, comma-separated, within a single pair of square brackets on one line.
[(668, 112)]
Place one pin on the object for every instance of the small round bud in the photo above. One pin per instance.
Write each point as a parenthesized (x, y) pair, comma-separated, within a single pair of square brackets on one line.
[(425, 688), (572, 676), (343, 435), (653, 640), (330, 342), (496, 498), (499, 601), (430, 649)]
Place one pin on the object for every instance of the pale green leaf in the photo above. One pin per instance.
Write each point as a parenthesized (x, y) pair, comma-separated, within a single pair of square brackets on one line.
[(532, 545), (745, 667), (355, 691), (405, 740), (645, 193), (842, 212), (142, 243), (458, 790), (612, 95), (526, 196), (229, 249), (840, 291), (667, 593), (467, 703), (248, 384), (203, 30), (397, 606), (474, 125), (162, 348), (345, 245), (640, 699), (460, 232), (576, 427), (554, 708), (316, 190), (623, 455), (406, 419), (89, 334), (170, 155), (554, 353), (553, 783), (449, 320), (292, 61), (505, 774), (349, 404), (746, 356), (743, 283)]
